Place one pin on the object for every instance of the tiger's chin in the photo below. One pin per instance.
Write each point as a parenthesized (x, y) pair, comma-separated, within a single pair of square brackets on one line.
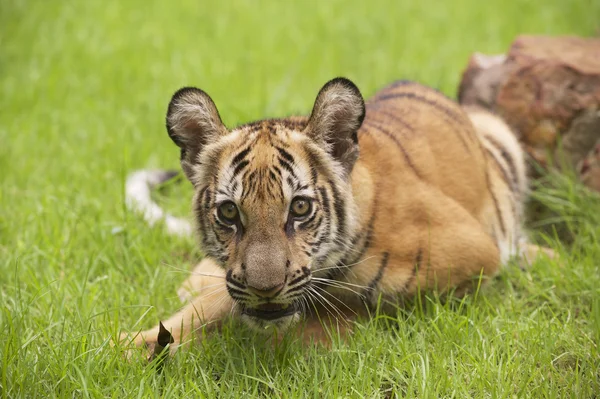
[(267, 320)]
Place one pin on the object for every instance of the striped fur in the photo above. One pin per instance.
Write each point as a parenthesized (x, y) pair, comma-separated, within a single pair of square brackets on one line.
[(434, 200)]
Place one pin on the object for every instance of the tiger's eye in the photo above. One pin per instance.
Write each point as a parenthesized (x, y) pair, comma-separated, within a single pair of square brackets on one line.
[(300, 207), (228, 211)]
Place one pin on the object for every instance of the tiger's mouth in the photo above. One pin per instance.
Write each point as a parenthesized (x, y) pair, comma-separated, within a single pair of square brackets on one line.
[(270, 311)]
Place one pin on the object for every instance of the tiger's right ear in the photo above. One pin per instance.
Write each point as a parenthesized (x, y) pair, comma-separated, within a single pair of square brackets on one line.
[(193, 122)]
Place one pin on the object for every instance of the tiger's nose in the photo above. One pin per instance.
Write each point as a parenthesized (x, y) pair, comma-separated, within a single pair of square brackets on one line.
[(268, 292)]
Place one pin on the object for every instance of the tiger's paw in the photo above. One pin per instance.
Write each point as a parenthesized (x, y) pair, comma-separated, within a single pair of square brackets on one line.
[(155, 346)]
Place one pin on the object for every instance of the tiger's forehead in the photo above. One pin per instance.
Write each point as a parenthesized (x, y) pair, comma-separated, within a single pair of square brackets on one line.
[(265, 161), (264, 140), (294, 123)]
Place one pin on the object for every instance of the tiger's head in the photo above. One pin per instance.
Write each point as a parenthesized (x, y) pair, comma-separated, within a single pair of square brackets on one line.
[(273, 200)]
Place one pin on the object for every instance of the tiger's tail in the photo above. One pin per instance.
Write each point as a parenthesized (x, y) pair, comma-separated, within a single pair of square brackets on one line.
[(138, 188), (501, 143), (507, 180)]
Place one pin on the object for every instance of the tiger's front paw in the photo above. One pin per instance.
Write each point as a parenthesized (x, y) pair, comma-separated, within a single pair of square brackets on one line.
[(155, 345)]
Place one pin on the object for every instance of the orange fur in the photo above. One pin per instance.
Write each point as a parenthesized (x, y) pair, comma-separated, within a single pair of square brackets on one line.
[(433, 201)]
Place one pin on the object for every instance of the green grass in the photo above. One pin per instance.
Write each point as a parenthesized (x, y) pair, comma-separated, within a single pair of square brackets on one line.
[(83, 93)]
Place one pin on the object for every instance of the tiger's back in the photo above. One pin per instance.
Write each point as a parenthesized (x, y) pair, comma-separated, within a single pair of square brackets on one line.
[(434, 192), (428, 137)]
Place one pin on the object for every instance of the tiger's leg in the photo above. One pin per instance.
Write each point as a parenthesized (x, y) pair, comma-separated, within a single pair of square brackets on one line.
[(444, 249), (196, 283), (210, 305), (507, 182), (530, 252)]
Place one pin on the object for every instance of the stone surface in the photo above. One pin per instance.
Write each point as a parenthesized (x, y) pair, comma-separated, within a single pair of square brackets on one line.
[(548, 90)]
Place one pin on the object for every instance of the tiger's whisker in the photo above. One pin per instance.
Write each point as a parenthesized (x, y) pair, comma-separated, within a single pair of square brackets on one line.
[(337, 299), (328, 280), (328, 284), (327, 301)]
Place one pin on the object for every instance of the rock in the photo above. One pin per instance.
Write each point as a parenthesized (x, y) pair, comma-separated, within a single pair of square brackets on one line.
[(548, 90)]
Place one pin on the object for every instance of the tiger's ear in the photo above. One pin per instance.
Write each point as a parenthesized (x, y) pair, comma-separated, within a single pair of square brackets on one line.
[(338, 112), (193, 121)]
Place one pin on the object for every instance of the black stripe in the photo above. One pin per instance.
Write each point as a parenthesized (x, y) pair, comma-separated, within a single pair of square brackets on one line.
[(324, 199), (239, 168), (424, 100), (317, 244), (204, 217), (236, 292), (315, 234), (297, 295), (286, 155), (297, 280), (455, 117), (241, 299), (198, 209), (511, 185), (240, 156), (251, 182), (226, 226), (497, 208), (407, 159), (368, 237), (508, 159), (226, 230), (398, 83), (299, 287), (205, 241), (287, 166), (339, 205), (378, 109), (232, 281), (340, 271), (290, 181), (370, 290), (326, 212), (314, 161), (206, 199), (389, 89), (416, 268), (305, 224), (313, 175), (236, 284), (223, 259), (507, 180), (233, 187)]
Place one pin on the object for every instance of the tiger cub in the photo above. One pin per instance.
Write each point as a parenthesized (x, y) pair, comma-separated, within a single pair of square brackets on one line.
[(355, 204)]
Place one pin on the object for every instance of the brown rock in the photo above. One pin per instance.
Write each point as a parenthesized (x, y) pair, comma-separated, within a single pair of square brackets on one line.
[(580, 140), (589, 168), (547, 89)]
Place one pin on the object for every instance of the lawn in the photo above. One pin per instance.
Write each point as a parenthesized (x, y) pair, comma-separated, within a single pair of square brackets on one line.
[(83, 92)]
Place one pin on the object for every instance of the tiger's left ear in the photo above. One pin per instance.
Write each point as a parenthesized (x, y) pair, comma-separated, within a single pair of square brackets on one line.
[(338, 112), (193, 122)]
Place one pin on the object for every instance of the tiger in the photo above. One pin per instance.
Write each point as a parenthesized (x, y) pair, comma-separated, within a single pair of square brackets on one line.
[(356, 205)]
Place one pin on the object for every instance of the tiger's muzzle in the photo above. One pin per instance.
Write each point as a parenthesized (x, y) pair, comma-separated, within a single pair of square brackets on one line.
[(278, 306)]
